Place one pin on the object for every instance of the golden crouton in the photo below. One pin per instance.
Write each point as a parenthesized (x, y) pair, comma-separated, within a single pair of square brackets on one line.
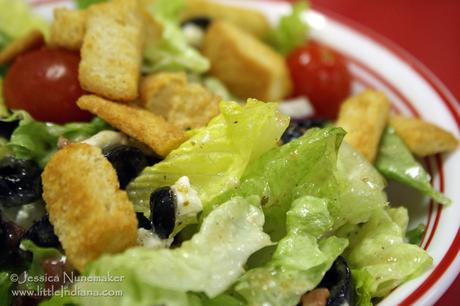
[(90, 214), (68, 28), (112, 49), (144, 126), (364, 118), (247, 19), (248, 67), (172, 97), (423, 138), (31, 40)]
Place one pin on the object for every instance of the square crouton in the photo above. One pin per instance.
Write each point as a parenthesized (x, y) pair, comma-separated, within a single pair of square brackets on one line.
[(364, 118), (32, 40), (161, 136), (68, 28), (423, 138), (247, 19), (184, 104), (111, 54), (247, 66)]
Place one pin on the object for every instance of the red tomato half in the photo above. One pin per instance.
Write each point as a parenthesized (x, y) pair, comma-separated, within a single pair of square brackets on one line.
[(45, 83), (322, 75)]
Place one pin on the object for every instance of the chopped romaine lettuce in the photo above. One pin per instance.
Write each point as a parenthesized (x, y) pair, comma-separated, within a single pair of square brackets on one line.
[(17, 19), (379, 256), (415, 235), (396, 162), (4, 40), (215, 157), (210, 262), (5, 285), (171, 52), (82, 4), (218, 88), (299, 262), (305, 166), (38, 140), (292, 30), (35, 270), (3, 108), (360, 188)]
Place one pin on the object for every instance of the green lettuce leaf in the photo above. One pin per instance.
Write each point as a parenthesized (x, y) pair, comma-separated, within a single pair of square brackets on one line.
[(300, 260), (210, 262), (82, 4), (38, 255), (379, 256), (5, 286), (17, 19), (172, 52), (291, 31), (305, 166), (415, 235), (3, 108), (215, 157), (38, 140), (396, 162), (360, 188)]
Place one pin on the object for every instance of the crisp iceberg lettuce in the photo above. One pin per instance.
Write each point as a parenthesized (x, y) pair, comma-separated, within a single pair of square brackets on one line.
[(300, 260), (215, 157), (396, 162), (379, 256), (210, 262), (360, 189), (291, 31), (172, 51), (38, 140), (305, 166)]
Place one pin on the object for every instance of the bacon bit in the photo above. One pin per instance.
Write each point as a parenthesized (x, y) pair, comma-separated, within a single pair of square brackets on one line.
[(316, 297)]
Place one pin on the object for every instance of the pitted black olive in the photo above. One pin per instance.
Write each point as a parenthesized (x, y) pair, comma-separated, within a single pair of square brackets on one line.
[(202, 22), (128, 161), (10, 237), (42, 233), (163, 206), (143, 221), (340, 284), (7, 128), (297, 128), (20, 182)]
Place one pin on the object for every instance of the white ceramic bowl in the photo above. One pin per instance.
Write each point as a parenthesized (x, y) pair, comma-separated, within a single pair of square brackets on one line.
[(377, 63)]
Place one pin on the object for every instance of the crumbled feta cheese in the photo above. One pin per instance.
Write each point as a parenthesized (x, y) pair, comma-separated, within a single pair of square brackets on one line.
[(188, 201), (106, 138), (25, 215), (194, 35), (150, 240), (297, 107)]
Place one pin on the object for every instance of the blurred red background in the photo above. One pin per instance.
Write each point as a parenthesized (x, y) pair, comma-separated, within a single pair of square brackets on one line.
[(429, 30)]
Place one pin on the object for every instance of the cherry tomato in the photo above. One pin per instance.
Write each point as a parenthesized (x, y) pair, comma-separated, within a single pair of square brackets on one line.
[(322, 75), (45, 83)]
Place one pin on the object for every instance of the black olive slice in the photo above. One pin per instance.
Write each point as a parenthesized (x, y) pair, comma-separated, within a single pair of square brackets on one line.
[(340, 284), (297, 128), (163, 205), (42, 233)]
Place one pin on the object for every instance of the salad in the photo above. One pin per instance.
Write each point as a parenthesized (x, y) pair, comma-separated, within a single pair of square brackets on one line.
[(188, 152)]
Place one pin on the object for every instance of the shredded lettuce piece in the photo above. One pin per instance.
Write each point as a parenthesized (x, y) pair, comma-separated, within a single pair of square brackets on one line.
[(35, 270), (215, 157), (171, 52), (300, 260), (291, 31), (3, 108), (360, 188), (396, 162), (4, 40), (17, 19), (82, 4), (380, 257), (415, 235), (305, 166), (210, 262), (5, 286), (38, 140)]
